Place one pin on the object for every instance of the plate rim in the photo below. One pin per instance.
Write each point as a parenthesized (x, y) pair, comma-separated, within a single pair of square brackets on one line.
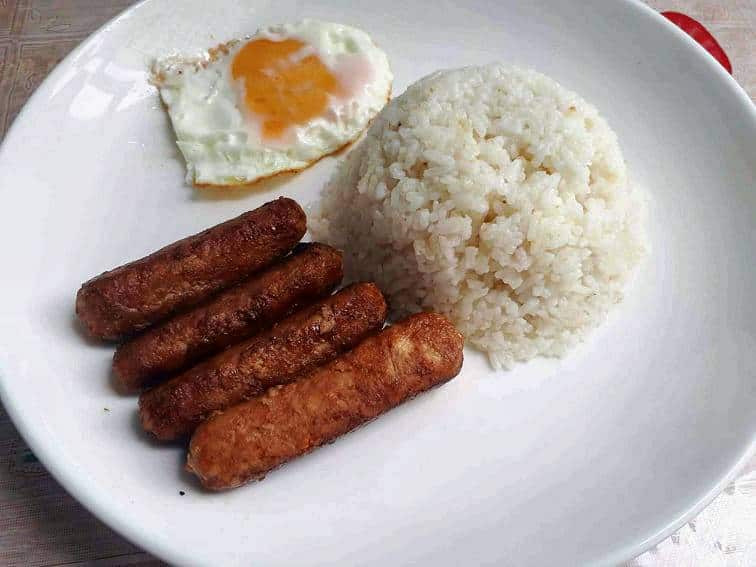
[(124, 525)]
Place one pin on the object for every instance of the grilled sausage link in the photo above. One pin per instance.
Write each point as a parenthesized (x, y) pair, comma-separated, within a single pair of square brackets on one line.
[(306, 339), (248, 440), (311, 272), (128, 299)]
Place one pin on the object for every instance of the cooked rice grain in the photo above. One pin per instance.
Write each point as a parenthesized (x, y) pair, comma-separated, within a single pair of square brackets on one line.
[(497, 197)]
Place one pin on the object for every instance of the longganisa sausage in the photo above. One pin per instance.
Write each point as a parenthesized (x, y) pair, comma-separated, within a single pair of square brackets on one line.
[(251, 438), (306, 339), (311, 272), (123, 301)]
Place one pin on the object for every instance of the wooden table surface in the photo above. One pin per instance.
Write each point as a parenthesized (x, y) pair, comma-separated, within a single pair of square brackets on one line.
[(40, 524)]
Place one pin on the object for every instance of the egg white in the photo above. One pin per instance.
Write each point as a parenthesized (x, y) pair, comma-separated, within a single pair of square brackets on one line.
[(221, 140)]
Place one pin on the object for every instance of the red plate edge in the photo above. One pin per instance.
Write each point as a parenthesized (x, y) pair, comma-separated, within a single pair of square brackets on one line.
[(698, 32)]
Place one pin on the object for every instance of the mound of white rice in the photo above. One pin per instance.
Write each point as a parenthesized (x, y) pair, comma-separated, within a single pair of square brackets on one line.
[(495, 196)]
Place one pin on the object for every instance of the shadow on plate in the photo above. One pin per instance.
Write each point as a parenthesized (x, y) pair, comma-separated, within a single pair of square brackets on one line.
[(266, 185)]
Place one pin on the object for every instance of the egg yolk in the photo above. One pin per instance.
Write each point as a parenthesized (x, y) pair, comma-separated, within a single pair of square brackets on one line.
[(283, 85)]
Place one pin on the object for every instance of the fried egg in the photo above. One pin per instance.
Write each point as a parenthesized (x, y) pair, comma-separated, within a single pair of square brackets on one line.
[(277, 101)]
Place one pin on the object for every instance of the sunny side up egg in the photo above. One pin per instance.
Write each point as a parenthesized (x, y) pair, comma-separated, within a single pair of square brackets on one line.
[(276, 102)]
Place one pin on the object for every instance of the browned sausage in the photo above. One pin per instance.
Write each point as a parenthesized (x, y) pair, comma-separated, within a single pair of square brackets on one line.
[(306, 339), (248, 440), (125, 300), (311, 272)]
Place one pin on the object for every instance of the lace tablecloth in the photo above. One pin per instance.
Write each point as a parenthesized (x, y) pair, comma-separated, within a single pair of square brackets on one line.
[(42, 525)]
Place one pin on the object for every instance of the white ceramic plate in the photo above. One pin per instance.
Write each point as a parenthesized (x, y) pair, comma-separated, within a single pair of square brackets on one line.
[(585, 460)]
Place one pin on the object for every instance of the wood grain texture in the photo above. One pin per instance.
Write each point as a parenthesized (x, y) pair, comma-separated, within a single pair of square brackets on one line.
[(41, 525)]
